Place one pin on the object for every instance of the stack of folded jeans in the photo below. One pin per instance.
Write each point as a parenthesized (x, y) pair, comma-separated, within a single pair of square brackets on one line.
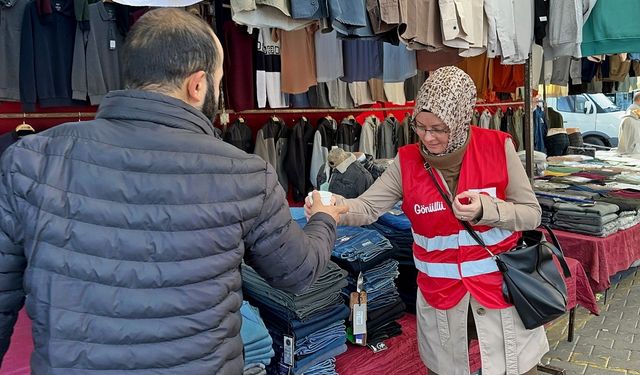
[(327, 367), (367, 251), (256, 340), (315, 318), (596, 219), (379, 283), (396, 227), (359, 249)]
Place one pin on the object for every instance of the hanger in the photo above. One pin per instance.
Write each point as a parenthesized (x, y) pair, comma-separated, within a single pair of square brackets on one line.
[(24, 128), (391, 115), (241, 120), (350, 118), (304, 118), (274, 118), (328, 117)]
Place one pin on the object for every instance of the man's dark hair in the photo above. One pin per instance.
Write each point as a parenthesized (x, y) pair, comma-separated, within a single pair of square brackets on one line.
[(164, 47)]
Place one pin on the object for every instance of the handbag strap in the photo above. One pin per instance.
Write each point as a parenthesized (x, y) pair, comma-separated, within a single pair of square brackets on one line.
[(556, 249)]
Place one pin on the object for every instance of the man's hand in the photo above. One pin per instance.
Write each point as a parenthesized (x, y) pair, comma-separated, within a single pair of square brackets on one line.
[(318, 206), (467, 206)]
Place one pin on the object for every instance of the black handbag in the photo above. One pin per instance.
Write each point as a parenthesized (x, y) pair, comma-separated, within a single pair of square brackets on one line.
[(532, 282)]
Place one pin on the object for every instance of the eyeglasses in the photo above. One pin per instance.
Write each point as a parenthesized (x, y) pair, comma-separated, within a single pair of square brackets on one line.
[(421, 130)]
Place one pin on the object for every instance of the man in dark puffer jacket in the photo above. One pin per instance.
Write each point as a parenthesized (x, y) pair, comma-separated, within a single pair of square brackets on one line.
[(129, 230)]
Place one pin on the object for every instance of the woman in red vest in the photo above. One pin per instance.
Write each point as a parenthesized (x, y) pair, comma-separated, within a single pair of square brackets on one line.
[(459, 285)]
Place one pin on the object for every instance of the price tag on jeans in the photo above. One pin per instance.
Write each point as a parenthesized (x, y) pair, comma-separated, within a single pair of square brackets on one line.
[(289, 347)]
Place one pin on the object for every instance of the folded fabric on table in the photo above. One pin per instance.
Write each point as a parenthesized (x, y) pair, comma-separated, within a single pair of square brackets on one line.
[(254, 369), (279, 325), (302, 365), (395, 218), (584, 218), (359, 244), (324, 292), (255, 336), (625, 193), (591, 230), (327, 367), (625, 204), (320, 339), (600, 208)]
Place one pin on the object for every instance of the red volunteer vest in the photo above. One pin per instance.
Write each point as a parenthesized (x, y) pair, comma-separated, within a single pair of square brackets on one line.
[(449, 261)]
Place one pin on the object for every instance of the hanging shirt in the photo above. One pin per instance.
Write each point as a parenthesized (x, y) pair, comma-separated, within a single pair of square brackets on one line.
[(329, 63), (157, 3), (297, 52), (238, 86), (463, 25), (265, 13), (363, 59), (268, 69), (399, 63), (566, 20), (46, 77), (611, 28), (419, 26)]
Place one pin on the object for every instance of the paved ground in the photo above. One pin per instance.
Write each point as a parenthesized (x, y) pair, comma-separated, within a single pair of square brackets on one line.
[(608, 344)]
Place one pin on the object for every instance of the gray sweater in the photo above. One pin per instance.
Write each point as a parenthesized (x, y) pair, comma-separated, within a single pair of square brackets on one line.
[(11, 14), (96, 66), (126, 235)]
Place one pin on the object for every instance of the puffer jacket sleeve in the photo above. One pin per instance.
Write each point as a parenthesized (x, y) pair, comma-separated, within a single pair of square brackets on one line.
[(12, 259), (287, 256)]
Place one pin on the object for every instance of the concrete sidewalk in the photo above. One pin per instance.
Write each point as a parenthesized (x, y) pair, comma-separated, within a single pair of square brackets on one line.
[(608, 344)]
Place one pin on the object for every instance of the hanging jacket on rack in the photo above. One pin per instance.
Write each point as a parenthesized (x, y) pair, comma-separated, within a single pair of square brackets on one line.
[(406, 135), (496, 120), (485, 119), (369, 135), (271, 145), (324, 139), (348, 137), (298, 161), (539, 130), (518, 128), (240, 135), (388, 138)]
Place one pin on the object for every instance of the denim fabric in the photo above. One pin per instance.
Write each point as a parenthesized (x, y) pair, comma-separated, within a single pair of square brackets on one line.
[(255, 337), (278, 325), (557, 144), (324, 292), (540, 129), (327, 367), (320, 339), (304, 364), (396, 220), (349, 17), (354, 243), (254, 369), (311, 10)]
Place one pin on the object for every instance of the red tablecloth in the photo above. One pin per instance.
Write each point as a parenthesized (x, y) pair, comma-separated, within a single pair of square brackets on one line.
[(602, 257), (402, 357), (579, 291)]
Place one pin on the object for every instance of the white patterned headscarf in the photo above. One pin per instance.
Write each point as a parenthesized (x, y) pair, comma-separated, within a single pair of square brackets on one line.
[(450, 94)]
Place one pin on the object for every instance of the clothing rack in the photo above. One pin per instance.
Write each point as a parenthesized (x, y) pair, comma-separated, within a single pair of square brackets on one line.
[(25, 116)]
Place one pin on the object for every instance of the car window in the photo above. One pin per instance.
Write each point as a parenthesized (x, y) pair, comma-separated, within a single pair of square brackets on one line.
[(580, 104), (565, 103)]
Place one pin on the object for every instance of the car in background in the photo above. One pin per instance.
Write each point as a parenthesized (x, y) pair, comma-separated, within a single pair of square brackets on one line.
[(597, 117)]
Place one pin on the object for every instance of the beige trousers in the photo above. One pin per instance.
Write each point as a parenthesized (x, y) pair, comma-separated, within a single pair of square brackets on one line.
[(506, 346)]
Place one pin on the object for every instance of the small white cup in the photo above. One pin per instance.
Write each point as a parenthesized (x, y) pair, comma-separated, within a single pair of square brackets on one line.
[(325, 197)]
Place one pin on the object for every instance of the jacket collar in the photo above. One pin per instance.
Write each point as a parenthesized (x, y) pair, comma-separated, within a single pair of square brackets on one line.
[(104, 13), (138, 105), (342, 167)]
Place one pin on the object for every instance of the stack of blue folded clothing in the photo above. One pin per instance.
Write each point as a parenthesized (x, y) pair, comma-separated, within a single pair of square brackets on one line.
[(396, 227), (258, 345), (366, 251), (314, 319)]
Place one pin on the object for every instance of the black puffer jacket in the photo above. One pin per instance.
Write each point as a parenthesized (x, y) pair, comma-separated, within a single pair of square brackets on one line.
[(129, 231)]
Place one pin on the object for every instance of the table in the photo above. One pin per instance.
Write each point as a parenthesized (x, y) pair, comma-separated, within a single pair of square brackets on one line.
[(402, 353), (602, 257)]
